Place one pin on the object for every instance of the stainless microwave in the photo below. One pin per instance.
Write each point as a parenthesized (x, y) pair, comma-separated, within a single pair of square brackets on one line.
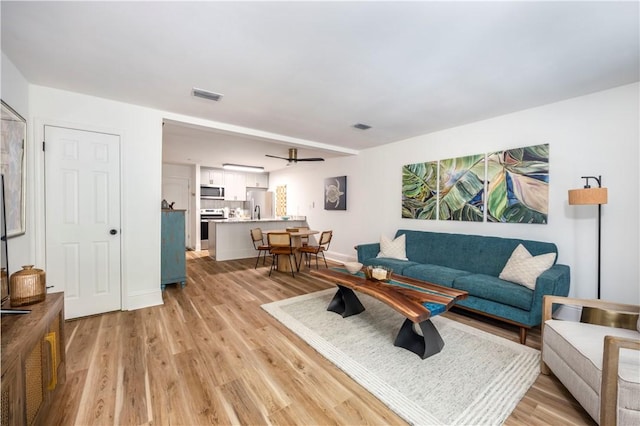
[(211, 192)]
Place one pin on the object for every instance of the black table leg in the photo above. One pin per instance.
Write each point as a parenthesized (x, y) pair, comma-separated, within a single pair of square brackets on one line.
[(430, 343), (345, 303)]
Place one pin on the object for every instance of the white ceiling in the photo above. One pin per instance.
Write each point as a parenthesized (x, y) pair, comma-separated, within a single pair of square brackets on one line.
[(310, 70)]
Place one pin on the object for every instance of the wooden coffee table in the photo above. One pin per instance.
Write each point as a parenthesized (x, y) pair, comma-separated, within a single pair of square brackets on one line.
[(416, 300)]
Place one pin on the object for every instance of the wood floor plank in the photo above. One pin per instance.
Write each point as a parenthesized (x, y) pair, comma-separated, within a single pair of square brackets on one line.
[(211, 355)]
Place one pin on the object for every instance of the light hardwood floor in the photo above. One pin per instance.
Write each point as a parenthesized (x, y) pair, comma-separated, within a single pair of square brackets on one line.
[(211, 355)]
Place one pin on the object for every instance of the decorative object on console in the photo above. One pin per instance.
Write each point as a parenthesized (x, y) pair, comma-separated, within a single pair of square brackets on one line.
[(27, 286), (335, 193), (591, 196)]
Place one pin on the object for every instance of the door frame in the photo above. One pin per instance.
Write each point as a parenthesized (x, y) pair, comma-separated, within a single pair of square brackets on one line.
[(39, 186)]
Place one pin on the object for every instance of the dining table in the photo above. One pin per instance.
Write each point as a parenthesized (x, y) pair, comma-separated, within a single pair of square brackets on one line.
[(296, 241)]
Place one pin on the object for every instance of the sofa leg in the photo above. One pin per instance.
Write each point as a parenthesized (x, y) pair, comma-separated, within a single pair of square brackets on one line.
[(544, 368), (523, 335)]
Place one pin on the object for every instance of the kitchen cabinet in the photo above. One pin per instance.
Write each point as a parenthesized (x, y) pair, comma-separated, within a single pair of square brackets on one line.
[(173, 262), (235, 186), (257, 180), (211, 177), (33, 361)]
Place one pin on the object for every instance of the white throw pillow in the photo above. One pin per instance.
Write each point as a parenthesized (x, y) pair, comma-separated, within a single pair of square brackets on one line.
[(524, 269), (395, 249)]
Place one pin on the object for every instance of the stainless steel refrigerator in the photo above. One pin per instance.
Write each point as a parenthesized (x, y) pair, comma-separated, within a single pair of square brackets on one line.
[(261, 200)]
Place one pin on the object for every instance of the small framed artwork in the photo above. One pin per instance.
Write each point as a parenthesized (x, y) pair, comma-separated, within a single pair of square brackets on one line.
[(12, 166), (335, 193)]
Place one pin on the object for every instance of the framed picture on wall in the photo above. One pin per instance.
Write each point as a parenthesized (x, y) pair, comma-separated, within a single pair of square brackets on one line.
[(12, 165), (335, 193)]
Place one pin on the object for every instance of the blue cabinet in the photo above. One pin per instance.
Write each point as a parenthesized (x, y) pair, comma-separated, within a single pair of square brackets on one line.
[(173, 261)]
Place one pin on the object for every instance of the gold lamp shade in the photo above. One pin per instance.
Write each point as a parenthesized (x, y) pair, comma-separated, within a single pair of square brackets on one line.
[(588, 196)]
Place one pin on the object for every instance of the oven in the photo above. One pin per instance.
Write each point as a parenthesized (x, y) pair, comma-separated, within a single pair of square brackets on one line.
[(205, 216)]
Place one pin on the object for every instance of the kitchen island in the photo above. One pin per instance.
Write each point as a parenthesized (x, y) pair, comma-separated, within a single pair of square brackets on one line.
[(231, 238)]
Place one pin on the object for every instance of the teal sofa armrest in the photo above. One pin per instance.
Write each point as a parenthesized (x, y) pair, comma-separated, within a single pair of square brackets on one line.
[(554, 281), (367, 251)]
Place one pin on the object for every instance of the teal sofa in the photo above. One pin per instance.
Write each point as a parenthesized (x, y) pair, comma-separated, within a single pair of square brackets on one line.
[(473, 263)]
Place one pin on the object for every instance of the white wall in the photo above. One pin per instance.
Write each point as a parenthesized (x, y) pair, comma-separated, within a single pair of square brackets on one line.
[(140, 131), (590, 135)]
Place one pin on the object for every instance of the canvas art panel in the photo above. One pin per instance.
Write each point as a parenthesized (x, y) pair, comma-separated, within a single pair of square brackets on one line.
[(518, 185), (419, 190), (461, 188), (335, 193), (12, 166)]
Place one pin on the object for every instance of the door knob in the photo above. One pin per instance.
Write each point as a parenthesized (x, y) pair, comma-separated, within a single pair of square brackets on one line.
[(113, 231)]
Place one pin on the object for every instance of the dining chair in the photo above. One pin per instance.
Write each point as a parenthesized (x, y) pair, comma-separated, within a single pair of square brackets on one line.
[(280, 244), (257, 238), (323, 245), (305, 238)]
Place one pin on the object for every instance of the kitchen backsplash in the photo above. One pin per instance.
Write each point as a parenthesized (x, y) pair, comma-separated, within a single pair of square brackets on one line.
[(218, 204)]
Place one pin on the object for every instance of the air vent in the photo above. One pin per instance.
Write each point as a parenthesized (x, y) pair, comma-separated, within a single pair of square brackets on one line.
[(361, 126), (212, 96)]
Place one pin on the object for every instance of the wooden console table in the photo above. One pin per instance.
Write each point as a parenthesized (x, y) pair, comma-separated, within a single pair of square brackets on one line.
[(33, 361)]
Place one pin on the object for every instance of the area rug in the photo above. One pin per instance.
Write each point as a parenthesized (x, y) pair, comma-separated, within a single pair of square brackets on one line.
[(476, 379)]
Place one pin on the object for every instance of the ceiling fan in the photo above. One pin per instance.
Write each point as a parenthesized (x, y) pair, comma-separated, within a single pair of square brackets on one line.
[(293, 157)]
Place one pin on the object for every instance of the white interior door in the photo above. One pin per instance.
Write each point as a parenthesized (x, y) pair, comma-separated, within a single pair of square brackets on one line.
[(176, 190), (82, 195)]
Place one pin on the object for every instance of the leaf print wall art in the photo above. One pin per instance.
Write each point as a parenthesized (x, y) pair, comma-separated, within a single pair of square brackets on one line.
[(419, 190), (335, 193), (518, 185), (461, 188)]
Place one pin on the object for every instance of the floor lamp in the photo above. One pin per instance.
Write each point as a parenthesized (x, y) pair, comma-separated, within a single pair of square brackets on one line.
[(591, 196)]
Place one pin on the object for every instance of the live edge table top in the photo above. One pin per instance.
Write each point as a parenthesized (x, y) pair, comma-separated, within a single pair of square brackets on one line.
[(415, 299)]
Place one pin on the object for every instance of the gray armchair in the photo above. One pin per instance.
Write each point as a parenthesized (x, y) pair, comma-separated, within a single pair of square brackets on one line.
[(598, 364)]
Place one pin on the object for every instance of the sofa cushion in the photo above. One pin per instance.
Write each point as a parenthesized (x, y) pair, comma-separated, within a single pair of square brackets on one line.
[(581, 346), (524, 269), (435, 274), (394, 249), (397, 265), (496, 290)]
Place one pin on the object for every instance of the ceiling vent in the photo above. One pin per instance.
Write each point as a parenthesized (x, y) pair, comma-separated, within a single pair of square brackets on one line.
[(361, 126), (212, 96)]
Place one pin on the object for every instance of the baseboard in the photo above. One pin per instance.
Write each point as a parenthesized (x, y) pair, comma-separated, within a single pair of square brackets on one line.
[(339, 257), (139, 300)]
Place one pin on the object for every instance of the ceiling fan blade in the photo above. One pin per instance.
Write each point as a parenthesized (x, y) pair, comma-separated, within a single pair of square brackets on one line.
[(275, 156), (310, 159)]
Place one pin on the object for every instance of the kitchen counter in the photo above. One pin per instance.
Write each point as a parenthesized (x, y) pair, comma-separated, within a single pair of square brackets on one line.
[(231, 238), (292, 219)]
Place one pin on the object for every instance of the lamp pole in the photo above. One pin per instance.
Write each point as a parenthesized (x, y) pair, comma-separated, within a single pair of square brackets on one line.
[(599, 180)]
